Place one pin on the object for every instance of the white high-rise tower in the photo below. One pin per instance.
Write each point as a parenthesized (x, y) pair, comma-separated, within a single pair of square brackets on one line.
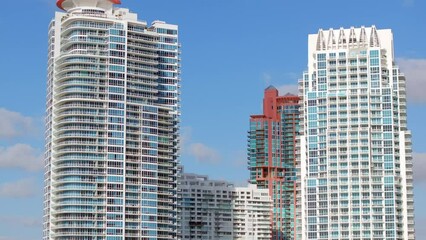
[(356, 178), (112, 120)]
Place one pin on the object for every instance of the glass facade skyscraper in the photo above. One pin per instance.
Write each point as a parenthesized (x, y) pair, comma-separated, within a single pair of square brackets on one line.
[(272, 157), (355, 179), (112, 119)]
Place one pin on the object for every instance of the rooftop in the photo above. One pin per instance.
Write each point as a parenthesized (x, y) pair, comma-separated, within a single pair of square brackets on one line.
[(69, 4)]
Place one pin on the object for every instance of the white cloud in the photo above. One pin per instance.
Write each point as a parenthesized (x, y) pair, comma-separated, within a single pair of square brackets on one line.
[(407, 3), (18, 221), (266, 77), (7, 238), (420, 230), (13, 124), (419, 166), (199, 151), (288, 88), (241, 183), (19, 225), (21, 156), (185, 137), (289, 77), (20, 189), (240, 159), (415, 71), (203, 153), (50, 4)]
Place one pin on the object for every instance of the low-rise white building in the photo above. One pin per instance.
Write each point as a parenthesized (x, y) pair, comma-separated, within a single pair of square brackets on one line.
[(251, 213), (215, 209), (204, 208)]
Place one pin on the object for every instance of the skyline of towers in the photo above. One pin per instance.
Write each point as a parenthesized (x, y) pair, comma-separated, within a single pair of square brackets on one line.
[(272, 157), (336, 160), (112, 120), (355, 178)]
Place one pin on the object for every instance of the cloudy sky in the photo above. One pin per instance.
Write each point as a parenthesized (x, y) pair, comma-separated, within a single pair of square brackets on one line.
[(232, 50)]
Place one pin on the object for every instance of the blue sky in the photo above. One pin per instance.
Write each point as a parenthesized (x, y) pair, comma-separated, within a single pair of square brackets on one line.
[(232, 50)]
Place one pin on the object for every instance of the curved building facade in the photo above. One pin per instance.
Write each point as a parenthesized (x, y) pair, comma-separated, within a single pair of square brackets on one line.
[(112, 121)]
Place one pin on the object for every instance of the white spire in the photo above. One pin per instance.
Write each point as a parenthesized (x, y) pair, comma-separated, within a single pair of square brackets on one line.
[(342, 38), (320, 40), (363, 38), (352, 37), (374, 37), (347, 38), (331, 40)]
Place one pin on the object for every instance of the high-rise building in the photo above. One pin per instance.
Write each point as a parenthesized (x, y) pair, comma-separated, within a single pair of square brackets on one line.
[(215, 209), (112, 124), (272, 157), (356, 178), (204, 208)]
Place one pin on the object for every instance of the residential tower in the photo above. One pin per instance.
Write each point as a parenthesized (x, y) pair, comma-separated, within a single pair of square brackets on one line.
[(355, 179), (272, 157), (112, 119)]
